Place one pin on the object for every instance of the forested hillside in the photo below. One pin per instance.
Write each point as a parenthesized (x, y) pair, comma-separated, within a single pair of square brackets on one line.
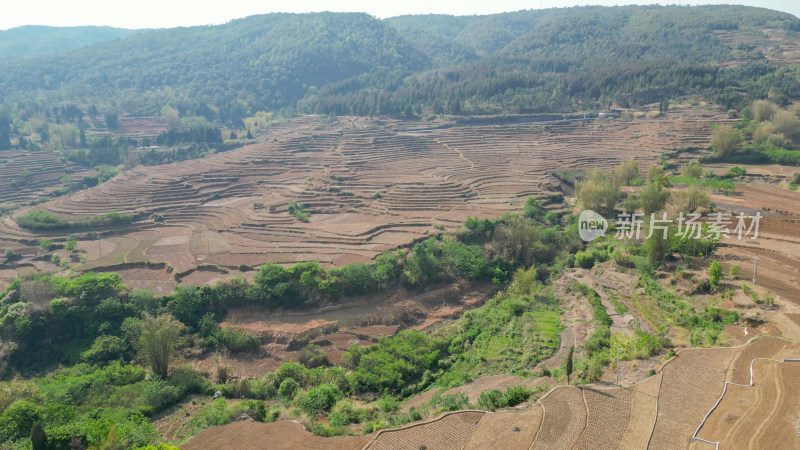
[(554, 60), (268, 61), (34, 40)]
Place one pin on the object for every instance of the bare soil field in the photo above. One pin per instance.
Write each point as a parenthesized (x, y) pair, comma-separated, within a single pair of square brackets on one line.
[(564, 419), (762, 416), (450, 431), (232, 206), (506, 429), (662, 411), (277, 435), (608, 415), (692, 382)]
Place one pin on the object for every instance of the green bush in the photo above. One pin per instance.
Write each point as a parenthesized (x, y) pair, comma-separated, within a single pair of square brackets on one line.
[(42, 221), (313, 356), (452, 402), (515, 395), (319, 399), (388, 404), (159, 394), (491, 400), (393, 363), (288, 388), (105, 348), (17, 420), (299, 213), (236, 341)]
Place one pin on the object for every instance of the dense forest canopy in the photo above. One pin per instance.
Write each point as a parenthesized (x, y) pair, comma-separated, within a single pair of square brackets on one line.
[(38, 40), (568, 59)]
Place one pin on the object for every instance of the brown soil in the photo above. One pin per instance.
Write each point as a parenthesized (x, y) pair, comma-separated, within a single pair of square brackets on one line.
[(506, 429), (232, 206), (277, 435), (450, 431)]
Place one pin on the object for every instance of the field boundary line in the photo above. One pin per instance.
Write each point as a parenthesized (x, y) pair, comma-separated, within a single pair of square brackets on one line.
[(541, 424), (585, 422), (419, 424), (725, 389), (486, 413), (658, 402)]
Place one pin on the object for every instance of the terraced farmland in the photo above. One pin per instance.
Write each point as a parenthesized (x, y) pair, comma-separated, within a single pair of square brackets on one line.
[(369, 185), (662, 411), (27, 175)]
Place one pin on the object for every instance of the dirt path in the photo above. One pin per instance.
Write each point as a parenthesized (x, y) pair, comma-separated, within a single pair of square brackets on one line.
[(460, 153)]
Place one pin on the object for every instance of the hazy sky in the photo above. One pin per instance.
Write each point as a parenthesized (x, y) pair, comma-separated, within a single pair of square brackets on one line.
[(171, 13)]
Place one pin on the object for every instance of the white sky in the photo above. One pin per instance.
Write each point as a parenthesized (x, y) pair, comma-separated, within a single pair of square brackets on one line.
[(171, 13)]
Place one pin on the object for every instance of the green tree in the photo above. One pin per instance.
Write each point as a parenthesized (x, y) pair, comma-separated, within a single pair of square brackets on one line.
[(319, 399), (38, 437), (692, 170), (491, 400), (734, 271), (46, 245), (158, 340), (112, 121), (598, 193), (653, 199), (18, 419), (71, 244), (568, 364), (725, 140), (714, 274), (287, 388), (533, 209)]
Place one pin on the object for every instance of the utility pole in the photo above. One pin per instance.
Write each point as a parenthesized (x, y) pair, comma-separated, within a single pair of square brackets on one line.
[(755, 267)]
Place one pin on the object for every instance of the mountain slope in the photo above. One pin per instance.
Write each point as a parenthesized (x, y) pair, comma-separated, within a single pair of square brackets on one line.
[(269, 61), (554, 60), (36, 40), (563, 60)]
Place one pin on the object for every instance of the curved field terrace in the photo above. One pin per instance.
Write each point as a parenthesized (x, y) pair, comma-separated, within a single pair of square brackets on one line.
[(367, 185)]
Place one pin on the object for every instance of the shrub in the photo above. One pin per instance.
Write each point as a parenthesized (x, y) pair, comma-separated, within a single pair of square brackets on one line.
[(725, 140), (388, 404), (491, 400), (189, 381), (313, 356), (763, 110), (235, 341), (516, 395), (159, 395), (452, 402), (288, 388), (319, 399), (17, 420), (783, 157), (692, 170), (714, 274), (105, 348), (299, 213)]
